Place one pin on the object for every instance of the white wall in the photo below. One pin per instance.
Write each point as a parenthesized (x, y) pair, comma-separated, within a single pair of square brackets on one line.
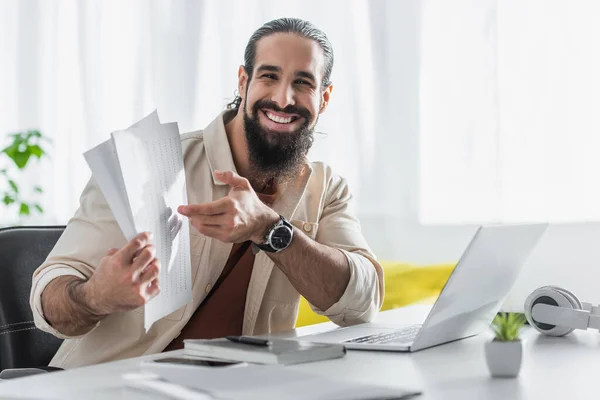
[(568, 255)]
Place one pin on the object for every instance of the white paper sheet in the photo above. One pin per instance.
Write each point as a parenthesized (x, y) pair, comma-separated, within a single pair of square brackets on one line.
[(140, 172), (273, 382), (151, 162), (104, 163)]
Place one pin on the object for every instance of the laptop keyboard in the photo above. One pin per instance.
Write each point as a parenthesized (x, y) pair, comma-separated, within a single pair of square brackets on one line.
[(403, 335)]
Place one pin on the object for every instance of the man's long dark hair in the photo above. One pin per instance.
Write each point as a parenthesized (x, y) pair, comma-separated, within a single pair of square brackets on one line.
[(286, 25)]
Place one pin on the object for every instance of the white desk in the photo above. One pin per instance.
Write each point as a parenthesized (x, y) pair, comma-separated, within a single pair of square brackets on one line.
[(553, 368)]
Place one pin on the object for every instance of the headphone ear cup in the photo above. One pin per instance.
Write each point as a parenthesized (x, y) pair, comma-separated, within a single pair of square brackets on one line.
[(570, 296), (553, 296)]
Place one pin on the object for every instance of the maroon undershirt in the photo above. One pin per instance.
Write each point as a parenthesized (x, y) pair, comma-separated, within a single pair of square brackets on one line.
[(222, 311)]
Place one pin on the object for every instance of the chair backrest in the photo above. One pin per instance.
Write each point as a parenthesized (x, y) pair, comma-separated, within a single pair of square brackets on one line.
[(22, 250)]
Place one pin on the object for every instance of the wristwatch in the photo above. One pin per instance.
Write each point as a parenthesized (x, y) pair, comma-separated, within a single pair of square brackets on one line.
[(278, 238)]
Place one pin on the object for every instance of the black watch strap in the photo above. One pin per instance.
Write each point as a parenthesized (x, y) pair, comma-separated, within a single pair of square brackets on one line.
[(268, 245)]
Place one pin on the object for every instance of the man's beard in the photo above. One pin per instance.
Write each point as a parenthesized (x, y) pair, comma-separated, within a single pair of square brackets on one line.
[(277, 155)]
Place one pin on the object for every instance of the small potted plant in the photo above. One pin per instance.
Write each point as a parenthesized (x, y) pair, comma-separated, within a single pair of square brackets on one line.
[(504, 353)]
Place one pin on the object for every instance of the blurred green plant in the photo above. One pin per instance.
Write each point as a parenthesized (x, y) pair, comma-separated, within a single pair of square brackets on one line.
[(507, 326), (22, 148)]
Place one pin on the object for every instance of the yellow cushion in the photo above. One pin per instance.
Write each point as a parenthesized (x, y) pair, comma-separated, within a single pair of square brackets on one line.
[(404, 284)]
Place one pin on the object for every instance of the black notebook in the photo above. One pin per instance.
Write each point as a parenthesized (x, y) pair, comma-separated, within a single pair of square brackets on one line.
[(273, 351)]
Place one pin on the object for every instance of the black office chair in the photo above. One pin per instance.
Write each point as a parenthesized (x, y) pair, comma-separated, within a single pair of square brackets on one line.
[(22, 250)]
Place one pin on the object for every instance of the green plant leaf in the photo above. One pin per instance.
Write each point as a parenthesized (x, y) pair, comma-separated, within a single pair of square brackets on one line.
[(10, 150), (8, 200), (38, 189), (39, 208), (36, 150), (17, 140), (24, 210), (507, 326), (13, 185), (20, 159)]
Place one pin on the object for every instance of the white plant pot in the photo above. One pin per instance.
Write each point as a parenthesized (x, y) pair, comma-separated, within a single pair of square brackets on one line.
[(504, 358)]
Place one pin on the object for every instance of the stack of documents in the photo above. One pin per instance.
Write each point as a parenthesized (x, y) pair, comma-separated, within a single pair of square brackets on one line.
[(140, 173), (258, 382), (274, 351)]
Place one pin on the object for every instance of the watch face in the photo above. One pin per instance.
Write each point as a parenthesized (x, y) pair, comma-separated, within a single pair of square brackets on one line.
[(281, 237)]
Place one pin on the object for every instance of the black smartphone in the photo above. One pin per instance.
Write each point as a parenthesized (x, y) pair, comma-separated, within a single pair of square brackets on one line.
[(195, 361)]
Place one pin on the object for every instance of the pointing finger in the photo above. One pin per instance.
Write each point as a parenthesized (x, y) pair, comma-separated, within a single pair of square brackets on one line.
[(214, 208)]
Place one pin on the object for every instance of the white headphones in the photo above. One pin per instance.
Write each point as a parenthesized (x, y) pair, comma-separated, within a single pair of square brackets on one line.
[(555, 311)]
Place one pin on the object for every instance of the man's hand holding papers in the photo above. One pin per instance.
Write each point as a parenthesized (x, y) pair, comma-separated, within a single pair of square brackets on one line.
[(126, 278)]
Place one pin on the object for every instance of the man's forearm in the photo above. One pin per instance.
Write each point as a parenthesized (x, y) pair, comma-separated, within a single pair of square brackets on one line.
[(318, 272), (67, 308)]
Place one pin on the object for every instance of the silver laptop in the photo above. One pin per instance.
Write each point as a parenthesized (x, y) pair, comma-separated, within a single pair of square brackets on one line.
[(472, 296)]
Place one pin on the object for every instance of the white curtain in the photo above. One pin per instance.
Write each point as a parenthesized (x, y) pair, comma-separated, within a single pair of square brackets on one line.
[(510, 128), (77, 70), (442, 112)]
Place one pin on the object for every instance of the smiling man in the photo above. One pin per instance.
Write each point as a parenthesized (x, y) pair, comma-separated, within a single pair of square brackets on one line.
[(267, 225)]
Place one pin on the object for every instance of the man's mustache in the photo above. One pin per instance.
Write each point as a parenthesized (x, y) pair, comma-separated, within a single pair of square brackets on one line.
[(290, 109)]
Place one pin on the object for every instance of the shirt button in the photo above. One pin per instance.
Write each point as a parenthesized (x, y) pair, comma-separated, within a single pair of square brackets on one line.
[(208, 287), (307, 227)]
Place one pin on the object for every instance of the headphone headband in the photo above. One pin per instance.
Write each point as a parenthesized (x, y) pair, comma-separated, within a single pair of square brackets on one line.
[(555, 311)]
